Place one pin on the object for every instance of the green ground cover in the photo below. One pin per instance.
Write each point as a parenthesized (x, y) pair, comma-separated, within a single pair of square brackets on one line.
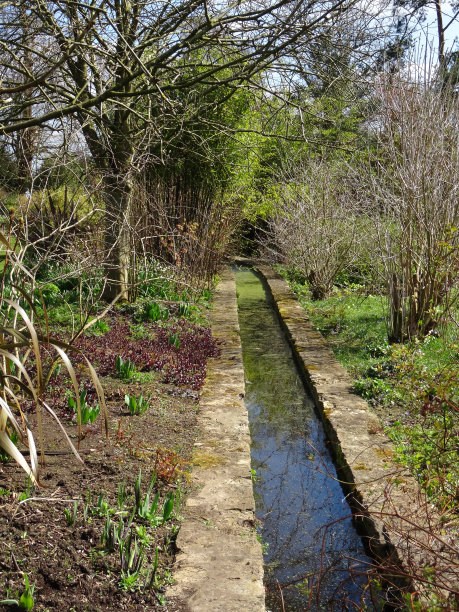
[(412, 387)]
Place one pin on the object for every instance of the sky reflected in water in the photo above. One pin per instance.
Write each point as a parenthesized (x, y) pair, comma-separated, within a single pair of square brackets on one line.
[(304, 518)]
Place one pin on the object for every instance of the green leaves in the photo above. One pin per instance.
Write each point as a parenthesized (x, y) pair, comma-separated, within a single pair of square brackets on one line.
[(130, 536), (88, 414), (125, 368), (154, 312), (148, 510), (144, 509), (168, 507), (26, 601), (136, 405), (174, 340), (71, 515)]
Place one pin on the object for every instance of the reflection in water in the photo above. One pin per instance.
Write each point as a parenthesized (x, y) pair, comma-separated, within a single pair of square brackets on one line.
[(301, 508)]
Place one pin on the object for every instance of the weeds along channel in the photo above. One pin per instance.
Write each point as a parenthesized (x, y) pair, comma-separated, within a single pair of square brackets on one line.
[(88, 521)]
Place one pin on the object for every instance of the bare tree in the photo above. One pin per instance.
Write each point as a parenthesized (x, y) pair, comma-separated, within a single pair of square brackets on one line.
[(446, 15), (120, 67), (316, 222), (413, 183)]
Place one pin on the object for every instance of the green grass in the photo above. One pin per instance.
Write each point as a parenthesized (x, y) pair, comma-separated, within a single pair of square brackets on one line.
[(144, 378), (353, 325), (412, 387)]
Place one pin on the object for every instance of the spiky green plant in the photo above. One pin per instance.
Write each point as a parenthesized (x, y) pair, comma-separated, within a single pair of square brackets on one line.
[(137, 405), (26, 601), (24, 376), (125, 369)]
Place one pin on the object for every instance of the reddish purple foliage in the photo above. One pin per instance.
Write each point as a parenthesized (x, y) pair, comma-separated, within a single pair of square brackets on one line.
[(185, 365)]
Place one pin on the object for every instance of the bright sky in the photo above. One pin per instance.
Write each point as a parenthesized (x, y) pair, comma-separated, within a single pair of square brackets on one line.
[(428, 29)]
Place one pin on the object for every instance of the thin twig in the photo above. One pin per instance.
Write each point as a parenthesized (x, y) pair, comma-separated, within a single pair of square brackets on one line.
[(281, 595), (63, 501)]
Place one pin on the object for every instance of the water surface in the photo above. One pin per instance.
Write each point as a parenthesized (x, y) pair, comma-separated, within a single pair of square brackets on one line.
[(312, 549)]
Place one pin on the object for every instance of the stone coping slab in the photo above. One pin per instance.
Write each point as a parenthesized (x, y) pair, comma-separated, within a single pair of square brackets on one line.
[(219, 564), (399, 526)]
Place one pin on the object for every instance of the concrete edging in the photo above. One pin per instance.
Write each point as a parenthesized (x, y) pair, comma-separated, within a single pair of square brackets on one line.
[(392, 515), (219, 564)]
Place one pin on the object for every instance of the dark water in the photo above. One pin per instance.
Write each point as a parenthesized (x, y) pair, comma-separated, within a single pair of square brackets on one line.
[(312, 549)]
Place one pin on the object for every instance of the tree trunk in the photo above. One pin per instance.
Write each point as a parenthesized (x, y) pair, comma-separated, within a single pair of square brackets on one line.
[(441, 36), (116, 171), (396, 330), (117, 198)]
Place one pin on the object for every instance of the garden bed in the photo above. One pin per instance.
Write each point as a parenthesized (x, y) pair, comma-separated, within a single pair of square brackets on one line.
[(79, 538)]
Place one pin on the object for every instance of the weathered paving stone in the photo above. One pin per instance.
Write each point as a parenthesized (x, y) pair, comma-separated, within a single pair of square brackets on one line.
[(219, 565)]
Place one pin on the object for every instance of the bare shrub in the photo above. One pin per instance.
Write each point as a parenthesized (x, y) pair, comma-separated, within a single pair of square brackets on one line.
[(186, 224), (424, 573), (413, 183), (316, 222)]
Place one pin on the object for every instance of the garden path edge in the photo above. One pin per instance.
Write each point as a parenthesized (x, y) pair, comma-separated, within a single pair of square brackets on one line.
[(219, 563)]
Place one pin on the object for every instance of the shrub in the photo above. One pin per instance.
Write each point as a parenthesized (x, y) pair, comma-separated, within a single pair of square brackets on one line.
[(316, 223), (411, 185)]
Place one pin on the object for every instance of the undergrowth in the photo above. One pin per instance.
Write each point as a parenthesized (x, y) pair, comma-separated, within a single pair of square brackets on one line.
[(412, 387)]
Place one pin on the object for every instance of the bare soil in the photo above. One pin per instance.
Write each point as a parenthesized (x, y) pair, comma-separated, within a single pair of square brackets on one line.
[(66, 559)]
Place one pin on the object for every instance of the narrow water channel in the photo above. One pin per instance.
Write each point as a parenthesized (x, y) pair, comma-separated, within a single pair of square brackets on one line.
[(312, 552)]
